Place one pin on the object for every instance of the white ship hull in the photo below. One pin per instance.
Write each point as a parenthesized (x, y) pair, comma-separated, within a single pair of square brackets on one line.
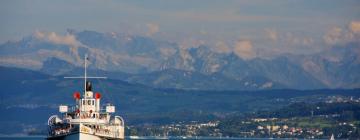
[(80, 136)]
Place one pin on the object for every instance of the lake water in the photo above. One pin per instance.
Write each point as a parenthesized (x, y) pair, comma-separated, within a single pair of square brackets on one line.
[(147, 138), (22, 138)]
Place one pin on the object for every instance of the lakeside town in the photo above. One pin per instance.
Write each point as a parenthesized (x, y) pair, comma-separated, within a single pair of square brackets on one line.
[(322, 122)]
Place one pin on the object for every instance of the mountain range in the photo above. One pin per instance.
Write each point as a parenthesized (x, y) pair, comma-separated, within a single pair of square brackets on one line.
[(37, 95), (164, 64)]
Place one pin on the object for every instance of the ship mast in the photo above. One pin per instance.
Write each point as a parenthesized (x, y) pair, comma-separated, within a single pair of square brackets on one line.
[(85, 74), (85, 77)]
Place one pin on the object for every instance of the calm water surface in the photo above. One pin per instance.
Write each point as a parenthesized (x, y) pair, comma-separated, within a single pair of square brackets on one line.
[(147, 138)]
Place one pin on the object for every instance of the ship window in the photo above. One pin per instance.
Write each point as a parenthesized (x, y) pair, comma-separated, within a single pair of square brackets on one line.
[(83, 102), (93, 102), (89, 102)]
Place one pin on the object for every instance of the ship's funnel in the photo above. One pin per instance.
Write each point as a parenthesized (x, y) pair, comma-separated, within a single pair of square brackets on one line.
[(88, 86)]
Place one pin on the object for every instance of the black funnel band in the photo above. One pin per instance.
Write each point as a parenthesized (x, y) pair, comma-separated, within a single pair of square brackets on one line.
[(88, 86)]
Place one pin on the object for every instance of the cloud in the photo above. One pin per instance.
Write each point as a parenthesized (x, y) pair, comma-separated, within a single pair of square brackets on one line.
[(292, 39), (288, 39), (52, 37), (68, 40), (308, 41), (354, 27), (221, 47), (244, 49), (65, 40), (39, 35), (152, 29), (337, 35), (333, 36), (272, 34)]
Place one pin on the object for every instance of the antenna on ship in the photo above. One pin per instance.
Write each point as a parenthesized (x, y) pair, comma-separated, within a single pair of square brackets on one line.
[(85, 75)]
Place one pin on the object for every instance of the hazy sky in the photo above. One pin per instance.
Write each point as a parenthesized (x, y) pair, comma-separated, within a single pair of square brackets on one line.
[(263, 22)]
